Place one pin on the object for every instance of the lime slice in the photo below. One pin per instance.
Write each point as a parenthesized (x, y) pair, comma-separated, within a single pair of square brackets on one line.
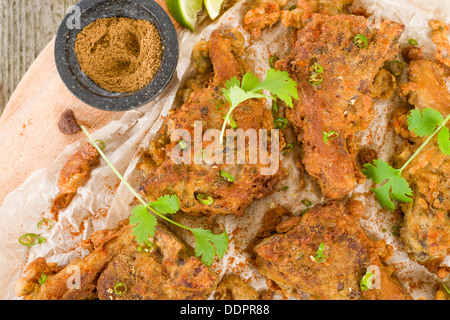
[(185, 11), (213, 8)]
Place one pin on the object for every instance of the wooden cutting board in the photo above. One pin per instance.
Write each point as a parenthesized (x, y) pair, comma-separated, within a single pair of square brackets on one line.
[(29, 135)]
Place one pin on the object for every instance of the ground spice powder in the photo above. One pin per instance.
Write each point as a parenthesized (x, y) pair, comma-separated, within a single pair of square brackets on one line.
[(119, 54)]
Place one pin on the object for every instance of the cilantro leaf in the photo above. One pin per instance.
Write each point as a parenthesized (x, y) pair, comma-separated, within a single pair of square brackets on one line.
[(395, 187), (249, 82), (423, 124), (144, 224), (444, 141), (279, 84), (236, 95), (166, 204), (207, 245)]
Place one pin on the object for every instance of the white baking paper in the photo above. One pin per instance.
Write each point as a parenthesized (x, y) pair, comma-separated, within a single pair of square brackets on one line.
[(102, 202)]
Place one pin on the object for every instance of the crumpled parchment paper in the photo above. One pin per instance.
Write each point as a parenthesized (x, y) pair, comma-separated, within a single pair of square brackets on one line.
[(103, 202)]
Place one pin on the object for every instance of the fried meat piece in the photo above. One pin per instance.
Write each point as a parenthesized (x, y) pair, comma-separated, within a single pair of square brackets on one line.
[(74, 174), (233, 287), (439, 34), (425, 229), (166, 270), (288, 259), (205, 109), (264, 13), (342, 103)]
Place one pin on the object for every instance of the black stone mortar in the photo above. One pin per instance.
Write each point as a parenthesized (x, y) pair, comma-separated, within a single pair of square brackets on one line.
[(86, 12)]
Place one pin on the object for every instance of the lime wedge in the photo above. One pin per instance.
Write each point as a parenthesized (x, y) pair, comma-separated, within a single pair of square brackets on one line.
[(213, 8), (185, 11)]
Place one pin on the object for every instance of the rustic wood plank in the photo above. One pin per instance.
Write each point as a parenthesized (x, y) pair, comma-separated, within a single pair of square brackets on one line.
[(29, 136), (26, 27)]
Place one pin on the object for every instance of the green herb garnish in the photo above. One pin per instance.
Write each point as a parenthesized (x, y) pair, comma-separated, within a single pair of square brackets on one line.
[(207, 244), (429, 122), (278, 83)]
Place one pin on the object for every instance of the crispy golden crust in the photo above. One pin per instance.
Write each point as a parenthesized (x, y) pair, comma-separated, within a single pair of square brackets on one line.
[(426, 226), (288, 259), (343, 102), (233, 287), (74, 174), (207, 105), (439, 36), (166, 271)]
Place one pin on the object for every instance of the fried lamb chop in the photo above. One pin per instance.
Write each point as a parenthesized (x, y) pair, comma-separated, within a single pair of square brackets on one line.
[(118, 268), (209, 188), (425, 229), (337, 102), (290, 259)]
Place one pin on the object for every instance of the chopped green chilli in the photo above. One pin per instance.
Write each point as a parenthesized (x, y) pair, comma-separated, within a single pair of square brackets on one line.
[(361, 41), (287, 148), (328, 135), (413, 42), (45, 224), (396, 68), (273, 59), (205, 199), (280, 123), (366, 281), (315, 79), (120, 288), (42, 279), (319, 254), (226, 176), (100, 143), (31, 239)]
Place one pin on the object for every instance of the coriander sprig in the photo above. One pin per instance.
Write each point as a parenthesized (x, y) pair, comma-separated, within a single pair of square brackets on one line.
[(277, 82), (429, 122), (207, 244)]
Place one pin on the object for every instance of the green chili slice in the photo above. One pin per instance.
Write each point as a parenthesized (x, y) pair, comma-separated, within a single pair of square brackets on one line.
[(319, 254), (205, 199), (183, 145), (361, 41), (328, 135), (396, 68), (315, 79), (221, 103), (366, 281), (31, 239), (120, 288), (274, 108), (284, 188), (42, 279), (280, 123), (287, 148), (306, 202), (413, 42), (273, 59), (317, 68), (45, 224), (292, 7), (226, 176)]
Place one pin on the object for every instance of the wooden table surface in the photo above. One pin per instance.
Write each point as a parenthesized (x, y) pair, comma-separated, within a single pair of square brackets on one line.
[(29, 135)]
